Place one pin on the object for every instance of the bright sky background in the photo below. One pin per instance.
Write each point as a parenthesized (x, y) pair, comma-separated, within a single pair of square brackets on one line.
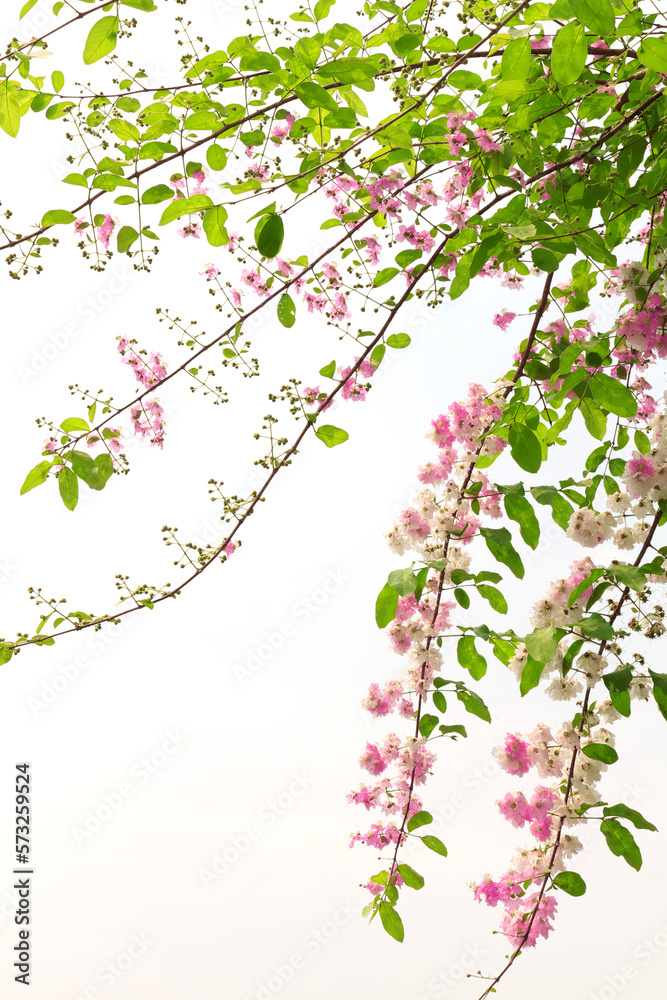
[(254, 771)]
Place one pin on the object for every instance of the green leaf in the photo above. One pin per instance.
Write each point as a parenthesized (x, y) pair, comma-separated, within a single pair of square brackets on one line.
[(621, 842), (156, 194), (596, 15), (545, 260), (391, 921), (629, 576), (36, 477), (427, 724), (6, 653), (448, 730), (561, 509), (403, 581), (74, 424), (519, 509), (517, 60), (434, 844), (411, 878), (146, 5), (286, 310), (439, 701), (398, 341), (10, 112), (463, 79), (26, 7), (617, 683), (331, 435), (571, 883), (350, 70), (308, 50), (627, 813), (385, 275), (473, 704), (596, 627), (469, 658), (68, 486), (525, 447), (126, 237), (185, 206), (613, 395), (569, 52), (594, 418), (57, 217), (421, 818), (542, 644), (499, 544), (462, 597), (216, 157), (660, 691), (495, 598), (269, 235), (652, 53), (101, 40), (600, 751), (213, 225), (314, 96), (530, 675), (385, 606), (328, 370), (124, 130)]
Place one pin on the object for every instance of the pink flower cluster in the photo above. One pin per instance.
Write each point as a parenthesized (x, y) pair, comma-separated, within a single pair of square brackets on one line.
[(518, 811), (147, 372), (412, 763), (148, 421)]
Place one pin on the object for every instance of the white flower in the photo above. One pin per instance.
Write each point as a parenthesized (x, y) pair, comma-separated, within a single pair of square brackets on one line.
[(618, 503), (607, 712), (624, 539), (563, 688), (592, 664)]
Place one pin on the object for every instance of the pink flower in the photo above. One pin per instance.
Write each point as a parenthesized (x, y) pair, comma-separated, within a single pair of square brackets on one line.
[(486, 143), (513, 757), (373, 248), (514, 808), (641, 467), (503, 319), (210, 271), (191, 229), (79, 226), (105, 230)]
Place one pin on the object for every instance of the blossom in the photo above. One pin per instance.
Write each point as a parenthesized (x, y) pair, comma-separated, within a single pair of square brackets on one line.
[(210, 271), (485, 142), (105, 230), (191, 229), (513, 756), (503, 319)]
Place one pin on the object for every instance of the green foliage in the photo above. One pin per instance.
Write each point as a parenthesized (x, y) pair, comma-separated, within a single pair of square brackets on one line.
[(571, 883)]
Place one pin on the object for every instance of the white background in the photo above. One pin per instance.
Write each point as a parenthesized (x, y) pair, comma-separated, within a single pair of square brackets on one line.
[(266, 761)]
